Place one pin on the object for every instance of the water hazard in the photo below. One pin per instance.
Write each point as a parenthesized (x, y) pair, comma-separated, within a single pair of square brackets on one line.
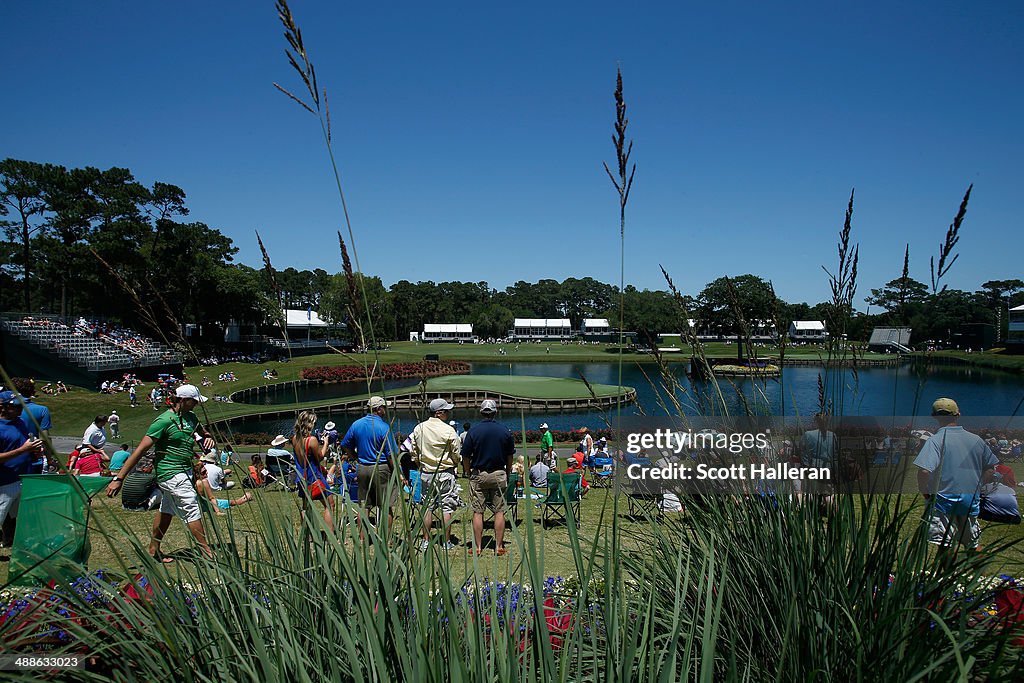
[(902, 390)]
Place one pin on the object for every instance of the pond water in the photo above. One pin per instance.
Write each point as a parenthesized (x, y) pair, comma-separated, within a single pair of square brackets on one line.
[(901, 390)]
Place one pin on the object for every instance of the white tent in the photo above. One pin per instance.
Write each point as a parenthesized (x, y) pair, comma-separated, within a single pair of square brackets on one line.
[(296, 317)]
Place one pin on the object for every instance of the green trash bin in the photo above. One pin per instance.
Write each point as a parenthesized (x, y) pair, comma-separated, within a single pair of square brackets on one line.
[(53, 519)]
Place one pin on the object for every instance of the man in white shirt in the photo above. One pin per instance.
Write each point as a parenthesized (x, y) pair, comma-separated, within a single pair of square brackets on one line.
[(215, 474)]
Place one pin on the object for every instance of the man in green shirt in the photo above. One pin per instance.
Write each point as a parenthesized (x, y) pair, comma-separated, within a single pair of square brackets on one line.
[(547, 444), (173, 435)]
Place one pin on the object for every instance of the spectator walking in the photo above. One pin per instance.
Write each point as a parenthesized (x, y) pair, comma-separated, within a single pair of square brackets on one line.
[(114, 421), (438, 449), (369, 442), (173, 436), (487, 460), (133, 398), (952, 464)]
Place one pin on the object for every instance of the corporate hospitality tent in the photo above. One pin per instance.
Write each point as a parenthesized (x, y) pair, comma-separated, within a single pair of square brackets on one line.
[(542, 329), (447, 332)]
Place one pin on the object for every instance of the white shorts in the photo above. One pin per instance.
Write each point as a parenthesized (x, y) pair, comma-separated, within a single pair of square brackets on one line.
[(951, 530), (179, 498), (10, 496)]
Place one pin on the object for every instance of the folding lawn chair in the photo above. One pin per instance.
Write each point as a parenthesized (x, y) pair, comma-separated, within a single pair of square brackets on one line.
[(281, 473), (643, 497), (602, 472), (511, 499), (564, 496)]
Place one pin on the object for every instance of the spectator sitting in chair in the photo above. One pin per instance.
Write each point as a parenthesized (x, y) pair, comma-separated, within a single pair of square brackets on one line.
[(539, 472), (575, 466)]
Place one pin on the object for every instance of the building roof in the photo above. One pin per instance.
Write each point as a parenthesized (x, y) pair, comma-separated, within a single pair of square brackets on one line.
[(448, 328), (297, 317), (596, 322), (541, 322), (1018, 308), (809, 325)]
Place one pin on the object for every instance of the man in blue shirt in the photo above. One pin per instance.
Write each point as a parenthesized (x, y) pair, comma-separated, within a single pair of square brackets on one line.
[(35, 417), (369, 441), (953, 463), (118, 458), (487, 459), (17, 450)]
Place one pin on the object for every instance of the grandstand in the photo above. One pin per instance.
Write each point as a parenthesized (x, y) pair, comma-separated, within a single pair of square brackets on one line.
[(94, 350), (890, 340)]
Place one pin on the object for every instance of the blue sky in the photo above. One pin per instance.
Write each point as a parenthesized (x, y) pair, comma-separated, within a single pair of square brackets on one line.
[(470, 136)]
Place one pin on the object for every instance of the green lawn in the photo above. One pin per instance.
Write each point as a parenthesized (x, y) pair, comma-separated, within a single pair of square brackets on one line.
[(598, 511)]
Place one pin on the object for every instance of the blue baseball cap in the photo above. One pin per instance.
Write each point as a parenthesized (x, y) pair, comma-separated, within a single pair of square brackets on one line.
[(8, 398)]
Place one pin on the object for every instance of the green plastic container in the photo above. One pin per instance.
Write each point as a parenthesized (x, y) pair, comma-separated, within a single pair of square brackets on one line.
[(53, 519)]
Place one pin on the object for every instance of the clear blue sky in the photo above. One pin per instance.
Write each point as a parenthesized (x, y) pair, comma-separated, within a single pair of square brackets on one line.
[(471, 135)]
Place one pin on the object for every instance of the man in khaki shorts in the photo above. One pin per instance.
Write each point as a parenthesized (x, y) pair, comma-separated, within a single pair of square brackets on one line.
[(487, 459), (436, 447), (952, 466)]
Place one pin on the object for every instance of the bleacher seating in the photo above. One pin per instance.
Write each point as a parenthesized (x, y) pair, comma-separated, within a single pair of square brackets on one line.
[(89, 347)]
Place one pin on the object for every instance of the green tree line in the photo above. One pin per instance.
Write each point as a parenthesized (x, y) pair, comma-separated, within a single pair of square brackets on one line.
[(85, 241)]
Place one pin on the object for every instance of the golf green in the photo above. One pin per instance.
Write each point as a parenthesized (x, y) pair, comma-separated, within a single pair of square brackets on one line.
[(522, 386)]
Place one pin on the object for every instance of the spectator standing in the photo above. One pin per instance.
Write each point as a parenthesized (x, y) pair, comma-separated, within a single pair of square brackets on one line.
[(17, 450), (547, 445), (952, 464), (308, 458), (369, 441), (487, 460), (36, 418), (117, 460), (173, 436), (114, 421), (819, 448), (133, 398), (438, 449)]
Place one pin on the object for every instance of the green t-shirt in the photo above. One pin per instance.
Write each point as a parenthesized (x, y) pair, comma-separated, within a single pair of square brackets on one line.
[(546, 441), (174, 443)]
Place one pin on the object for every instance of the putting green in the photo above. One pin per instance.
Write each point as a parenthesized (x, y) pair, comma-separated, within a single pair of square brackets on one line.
[(522, 386)]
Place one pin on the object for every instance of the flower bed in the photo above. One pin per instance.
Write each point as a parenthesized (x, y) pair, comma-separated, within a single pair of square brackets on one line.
[(356, 373)]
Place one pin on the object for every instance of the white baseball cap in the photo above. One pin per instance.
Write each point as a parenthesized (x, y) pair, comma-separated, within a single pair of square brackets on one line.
[(440, 404), (543, 425), (488, 406), (189, 391)]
